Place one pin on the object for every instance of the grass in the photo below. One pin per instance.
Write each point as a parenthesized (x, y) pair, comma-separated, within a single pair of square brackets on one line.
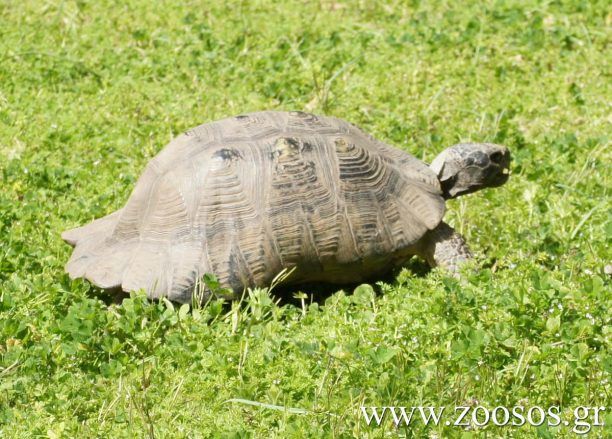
[(90, 91)]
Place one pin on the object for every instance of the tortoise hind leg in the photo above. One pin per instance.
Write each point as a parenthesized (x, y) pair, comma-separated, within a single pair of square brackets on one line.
[(444, 247)]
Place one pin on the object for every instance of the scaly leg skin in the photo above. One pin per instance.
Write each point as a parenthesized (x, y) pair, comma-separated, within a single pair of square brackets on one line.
[(443, 247)]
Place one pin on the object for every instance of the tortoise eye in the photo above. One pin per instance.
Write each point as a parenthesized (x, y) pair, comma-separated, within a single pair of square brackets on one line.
[(496, 157)]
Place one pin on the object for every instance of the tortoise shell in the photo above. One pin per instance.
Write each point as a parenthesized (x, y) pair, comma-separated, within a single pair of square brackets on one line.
[(244, 197)]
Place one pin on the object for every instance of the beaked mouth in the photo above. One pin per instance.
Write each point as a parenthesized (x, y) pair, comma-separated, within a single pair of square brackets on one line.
[(502, 176)]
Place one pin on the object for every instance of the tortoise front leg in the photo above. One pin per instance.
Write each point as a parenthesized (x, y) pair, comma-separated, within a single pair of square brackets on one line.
[(445, 248)]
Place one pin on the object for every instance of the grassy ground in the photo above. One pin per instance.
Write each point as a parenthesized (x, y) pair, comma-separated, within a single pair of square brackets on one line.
[(90, 90)]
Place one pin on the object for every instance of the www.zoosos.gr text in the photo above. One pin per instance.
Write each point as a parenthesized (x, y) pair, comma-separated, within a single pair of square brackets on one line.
[(480, 416)]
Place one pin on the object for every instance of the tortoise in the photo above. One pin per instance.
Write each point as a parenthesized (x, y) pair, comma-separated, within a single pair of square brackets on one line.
[(245, 197)]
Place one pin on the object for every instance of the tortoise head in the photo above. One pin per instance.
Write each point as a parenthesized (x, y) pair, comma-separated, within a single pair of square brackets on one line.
[(467, 167)]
